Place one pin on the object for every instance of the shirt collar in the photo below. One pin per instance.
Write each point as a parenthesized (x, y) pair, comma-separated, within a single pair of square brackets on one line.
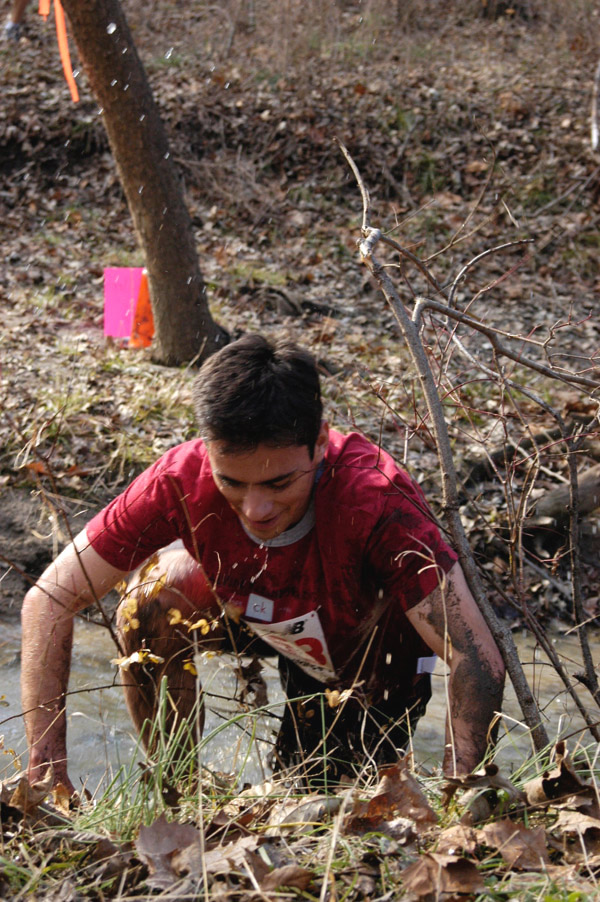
[(296, 532)]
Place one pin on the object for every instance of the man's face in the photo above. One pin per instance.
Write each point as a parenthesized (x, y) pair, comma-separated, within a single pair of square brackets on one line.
[(268, 488)]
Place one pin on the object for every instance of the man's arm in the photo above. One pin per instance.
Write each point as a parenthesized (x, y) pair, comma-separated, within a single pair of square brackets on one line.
[(77, 578), (452, 625)]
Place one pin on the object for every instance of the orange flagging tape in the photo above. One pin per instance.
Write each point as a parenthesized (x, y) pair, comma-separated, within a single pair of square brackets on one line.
[(63, 46), (142, 330)]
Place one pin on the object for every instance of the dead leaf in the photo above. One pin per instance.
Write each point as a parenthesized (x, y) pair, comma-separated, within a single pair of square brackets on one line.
[(582, 826), (156, 846), (252, 683), (335, 698), (397, 794), (252, 803), (216, 861), (575, 822), (561, 786), (433, 874), (447, 200), (291, 875), (223, 824), (147, 568), (521, 847), (458, 838), (295, 818), (488, 778), (143, 656), (37, 466), (112, 860), (401, 829), (477, 166), (26, 797), (62, 797), (488, 793)]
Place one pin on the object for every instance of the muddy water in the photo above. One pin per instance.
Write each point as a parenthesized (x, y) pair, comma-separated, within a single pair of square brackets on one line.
[(100, 739)]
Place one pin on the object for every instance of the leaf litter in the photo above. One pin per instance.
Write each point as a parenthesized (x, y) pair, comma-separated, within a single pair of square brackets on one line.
[(282, 843)]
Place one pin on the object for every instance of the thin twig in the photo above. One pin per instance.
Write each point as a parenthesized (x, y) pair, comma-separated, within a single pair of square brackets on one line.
[(491, 250), (479, 200), (594, 115), (362, 187), (591, 678), (500, 348)]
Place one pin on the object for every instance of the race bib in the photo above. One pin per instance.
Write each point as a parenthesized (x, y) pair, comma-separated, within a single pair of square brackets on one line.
[(301, 639)]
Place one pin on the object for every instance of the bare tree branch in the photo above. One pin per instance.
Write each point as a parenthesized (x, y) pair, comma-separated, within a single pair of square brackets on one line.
[(501, 634)]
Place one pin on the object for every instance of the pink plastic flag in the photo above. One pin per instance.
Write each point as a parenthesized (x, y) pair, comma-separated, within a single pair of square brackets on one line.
[(121, 290)]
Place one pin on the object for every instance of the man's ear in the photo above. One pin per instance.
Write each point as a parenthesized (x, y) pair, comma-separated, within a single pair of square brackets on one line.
[(321, 443)]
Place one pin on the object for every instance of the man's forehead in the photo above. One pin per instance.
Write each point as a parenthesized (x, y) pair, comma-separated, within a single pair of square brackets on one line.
[(221, 448), (263, 458)]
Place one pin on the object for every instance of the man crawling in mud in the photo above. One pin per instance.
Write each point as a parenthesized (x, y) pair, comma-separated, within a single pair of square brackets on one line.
[(287, 537)]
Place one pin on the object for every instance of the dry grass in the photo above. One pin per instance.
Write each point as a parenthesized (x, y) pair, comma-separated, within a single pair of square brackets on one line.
[(280, 36)]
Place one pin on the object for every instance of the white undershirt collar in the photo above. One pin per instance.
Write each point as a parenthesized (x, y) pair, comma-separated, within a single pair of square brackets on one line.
[(301, 528), (294, 534)]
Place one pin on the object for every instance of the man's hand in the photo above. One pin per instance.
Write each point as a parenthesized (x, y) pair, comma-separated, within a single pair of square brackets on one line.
[(77, 578), (452, 625)]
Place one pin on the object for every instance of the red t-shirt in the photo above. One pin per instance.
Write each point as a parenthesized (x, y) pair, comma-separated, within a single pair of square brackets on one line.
[(334, 597)]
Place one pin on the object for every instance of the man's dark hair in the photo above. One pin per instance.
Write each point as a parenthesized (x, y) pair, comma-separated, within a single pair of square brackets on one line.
[(256, 391)]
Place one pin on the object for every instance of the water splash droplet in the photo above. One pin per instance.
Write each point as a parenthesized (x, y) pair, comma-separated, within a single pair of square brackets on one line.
[(141, 189), (113, 82), (142, 117), (167, 155), (169, 53), (111, 28)]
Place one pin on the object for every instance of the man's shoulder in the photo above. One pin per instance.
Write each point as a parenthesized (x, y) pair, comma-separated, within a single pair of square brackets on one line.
[(359, 475), (354, 460), (187, 457), (182, 469)]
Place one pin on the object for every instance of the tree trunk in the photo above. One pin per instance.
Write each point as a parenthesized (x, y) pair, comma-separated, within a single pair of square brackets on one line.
[(184, 328)]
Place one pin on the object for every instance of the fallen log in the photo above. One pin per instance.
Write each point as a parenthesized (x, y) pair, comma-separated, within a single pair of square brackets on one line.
[(555, 505), (481, 466)]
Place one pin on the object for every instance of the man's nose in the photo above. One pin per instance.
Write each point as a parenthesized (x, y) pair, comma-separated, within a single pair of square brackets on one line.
[(257, 505)]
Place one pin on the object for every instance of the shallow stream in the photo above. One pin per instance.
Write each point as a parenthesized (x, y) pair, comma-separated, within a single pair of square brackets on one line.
[(100, 739)]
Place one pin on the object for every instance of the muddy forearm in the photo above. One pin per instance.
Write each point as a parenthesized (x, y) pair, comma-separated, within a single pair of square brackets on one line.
[(452, 625), (475, 695), (46, 654)]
